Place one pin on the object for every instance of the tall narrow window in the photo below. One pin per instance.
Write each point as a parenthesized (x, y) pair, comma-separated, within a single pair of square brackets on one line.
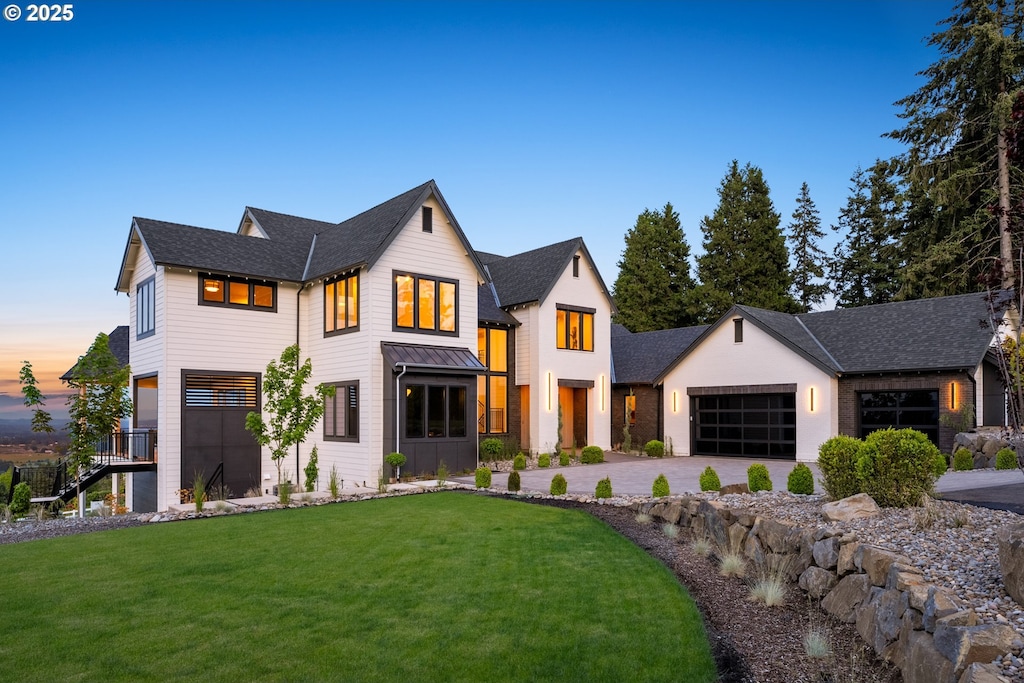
[(341, 413), (341, 304), (428, 219), (492, 386), (631, 409), (737, 330), (574, 328), (145, 309), (576, 265), (426, 304)]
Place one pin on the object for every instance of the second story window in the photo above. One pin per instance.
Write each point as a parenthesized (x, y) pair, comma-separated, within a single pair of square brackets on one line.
[(218, 290), (574, 328), (426, 304), (341, 304), (145, 309)]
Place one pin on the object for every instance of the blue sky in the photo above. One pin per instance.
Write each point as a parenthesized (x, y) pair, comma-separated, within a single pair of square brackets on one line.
[(539, 121)]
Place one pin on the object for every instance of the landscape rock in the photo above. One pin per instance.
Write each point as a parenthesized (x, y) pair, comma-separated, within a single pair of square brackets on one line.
[(924, 663), (672, 512), (826, 552), (876, 562), (963, 645), (972, 441), (854, 507), (993, 446), (879, 620), (846, 564), (843, 600), (982, 673), (1011, 560), (817, 582), (734, 488), (714, 527), (938, 604)]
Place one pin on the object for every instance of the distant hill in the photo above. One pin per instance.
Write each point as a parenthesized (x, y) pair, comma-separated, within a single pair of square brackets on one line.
[(12, 407)]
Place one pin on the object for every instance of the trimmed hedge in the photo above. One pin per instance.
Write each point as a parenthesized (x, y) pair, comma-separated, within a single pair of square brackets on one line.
[(519, 462), (963, 460), (21, 498), (592, 455), (709, 480), (837, 462), (895, 466), (604, 488), (654, 449), (544, 460), (558, 485), (564, 459), (483, 478), (513, 481), (758, 478), (801, 480), (491, 449), (1006, 459), (660, 487), (940, 465)]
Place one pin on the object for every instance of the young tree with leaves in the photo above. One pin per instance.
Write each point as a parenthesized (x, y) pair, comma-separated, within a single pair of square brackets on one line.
[(866, 266), (960, 183), (809, 261), (654, 288), (96, 408), (34, 399), (293, 413), (745, 259)]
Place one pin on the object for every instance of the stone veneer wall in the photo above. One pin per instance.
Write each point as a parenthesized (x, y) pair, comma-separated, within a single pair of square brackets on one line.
[(921, 629)]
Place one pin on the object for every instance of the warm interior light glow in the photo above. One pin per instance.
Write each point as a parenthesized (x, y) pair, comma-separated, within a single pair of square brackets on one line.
[(212, 286)]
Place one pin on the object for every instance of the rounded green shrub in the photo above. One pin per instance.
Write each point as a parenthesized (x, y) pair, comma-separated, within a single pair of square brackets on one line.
[(483, 478), (21, 499), (962, 460), (1006, 459), (940, 465), (604, 488), (837, 462), (564, 459), (491, 449), (709, 480), (519, 462), (592, 455), (895, 466), (544, 460), (758, 478), (660, 487), (654, 449), (801, 480), (514, 483), (558, 485)]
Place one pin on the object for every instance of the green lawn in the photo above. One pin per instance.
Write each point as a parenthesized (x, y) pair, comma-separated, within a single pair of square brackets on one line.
[(443, 587)]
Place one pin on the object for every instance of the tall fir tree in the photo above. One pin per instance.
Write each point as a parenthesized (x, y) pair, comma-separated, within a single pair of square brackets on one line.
[(654, 288), (866, 266), (745, 259), (809, 261), (960, 184)]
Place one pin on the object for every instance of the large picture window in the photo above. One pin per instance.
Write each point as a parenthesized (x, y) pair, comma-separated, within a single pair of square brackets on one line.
[(435, 411), (145, 309), (492, 386), (219, 290), (426, 304), (574, 328), (341, 304), (341, 413)]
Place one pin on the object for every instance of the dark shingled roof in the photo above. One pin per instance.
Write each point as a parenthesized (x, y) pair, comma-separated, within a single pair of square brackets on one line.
[(641, 357), (117, 341), (529, 276), (945, 333), (487, 310), (789, 330)]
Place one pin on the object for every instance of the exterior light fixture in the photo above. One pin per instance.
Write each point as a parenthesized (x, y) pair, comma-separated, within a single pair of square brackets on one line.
[(952, 396), (812, 399), (602, 394), (549, 392), (675, 401)]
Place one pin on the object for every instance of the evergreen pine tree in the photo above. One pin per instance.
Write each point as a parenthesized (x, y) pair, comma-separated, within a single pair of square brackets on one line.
[(654, 287), (809, 260), (866, 265), (745, 259)]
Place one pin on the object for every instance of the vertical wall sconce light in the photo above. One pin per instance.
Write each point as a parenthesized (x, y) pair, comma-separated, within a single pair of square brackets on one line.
[(812, 399), (952, 395), (602, 394), (675, 401), (549, 392)]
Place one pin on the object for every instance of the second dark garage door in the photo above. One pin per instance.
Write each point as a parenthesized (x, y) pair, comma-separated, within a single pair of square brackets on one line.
[(745, 425)]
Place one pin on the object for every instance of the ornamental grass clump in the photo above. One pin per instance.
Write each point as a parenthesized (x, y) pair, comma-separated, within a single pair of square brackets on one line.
[(558, 485), (801, 480), (442, 473), (654, 449), (483, 478), (770, 582), (701, 547), (670, 530), (592, 455), (732, 564), (660, 487), (962, 460), (758, 478), (519, 462), (513, 481), (604, 488), (894, 466), (837, 462), (709, 480), (1006, 459), (544, 460), (643, 518)]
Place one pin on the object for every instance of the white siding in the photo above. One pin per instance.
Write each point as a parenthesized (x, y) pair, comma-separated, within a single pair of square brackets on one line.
[(758, 359)]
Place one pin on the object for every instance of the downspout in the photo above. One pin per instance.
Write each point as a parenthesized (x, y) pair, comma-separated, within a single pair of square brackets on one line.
[(298, 296), (397, 404)]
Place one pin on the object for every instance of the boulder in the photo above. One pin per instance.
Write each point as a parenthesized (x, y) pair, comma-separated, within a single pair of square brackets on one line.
[(843, 600), (879, 621), (846, 563), (737, 535), (734, 488), (774, 535), (826, 552), (983, 673), (854, 507), (981, 461), (993, 446), (671, 512), (876, 563), (714, 527), (924, 663), (817, 582), (939, 604), (1011, 560), (964, 645), (972, 441)]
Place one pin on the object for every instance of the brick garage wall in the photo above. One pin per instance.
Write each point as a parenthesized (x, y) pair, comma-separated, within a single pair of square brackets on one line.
[(648, 409), (849, 409)]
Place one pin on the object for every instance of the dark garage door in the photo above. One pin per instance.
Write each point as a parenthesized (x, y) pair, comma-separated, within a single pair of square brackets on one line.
[(745, 425), (918, 409)]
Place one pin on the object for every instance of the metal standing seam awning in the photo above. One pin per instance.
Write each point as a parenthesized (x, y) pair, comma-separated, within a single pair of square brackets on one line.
[(436, 359)]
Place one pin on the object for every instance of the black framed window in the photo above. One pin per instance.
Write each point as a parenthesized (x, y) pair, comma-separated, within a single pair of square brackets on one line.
[(220, 290), (435, 411), (915, 409), (574, 328), (341, 304), (428, 219), (492, 386), (145, 308), (737, 330), (341, 413), (426, 304), (576, 265)]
